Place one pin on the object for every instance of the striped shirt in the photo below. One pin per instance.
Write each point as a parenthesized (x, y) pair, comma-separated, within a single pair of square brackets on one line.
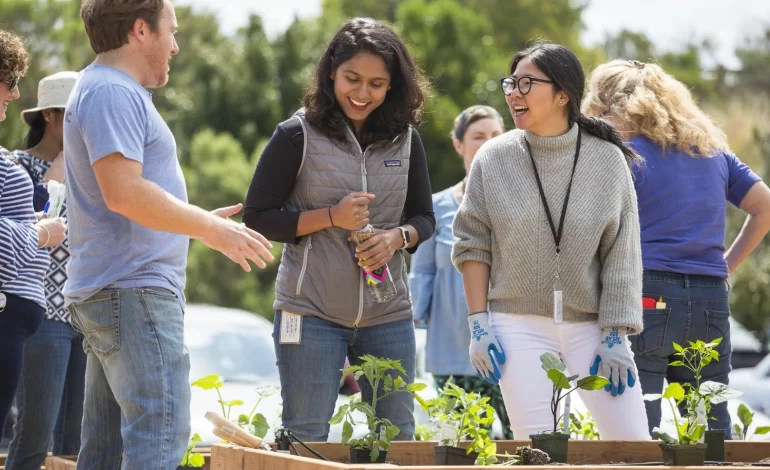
[(22, 264)]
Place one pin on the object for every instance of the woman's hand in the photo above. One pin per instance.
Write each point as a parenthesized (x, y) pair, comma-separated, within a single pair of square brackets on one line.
[(375, 252), (51, 232), (352, 212)]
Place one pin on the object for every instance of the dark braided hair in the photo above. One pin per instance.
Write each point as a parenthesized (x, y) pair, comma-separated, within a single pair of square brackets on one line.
[(563, 67)]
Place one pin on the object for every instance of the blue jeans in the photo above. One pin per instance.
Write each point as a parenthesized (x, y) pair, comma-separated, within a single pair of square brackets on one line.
[(137, 396), (49, 397), (311, 372), (696, 309)]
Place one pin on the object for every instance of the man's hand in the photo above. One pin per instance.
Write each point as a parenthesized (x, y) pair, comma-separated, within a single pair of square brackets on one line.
[(227, 212), (238, 242)]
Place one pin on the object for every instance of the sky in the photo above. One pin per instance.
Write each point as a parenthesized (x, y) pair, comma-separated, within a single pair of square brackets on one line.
[(669, 23)]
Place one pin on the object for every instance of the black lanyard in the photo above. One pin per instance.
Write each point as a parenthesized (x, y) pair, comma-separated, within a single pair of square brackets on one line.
[(556, 235)]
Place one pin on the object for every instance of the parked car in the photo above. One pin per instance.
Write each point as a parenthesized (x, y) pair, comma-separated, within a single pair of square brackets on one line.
[(747, 349), (754, 382)]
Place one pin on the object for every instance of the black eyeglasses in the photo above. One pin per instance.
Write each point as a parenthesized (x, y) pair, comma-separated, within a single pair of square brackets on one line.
[(524, 83), (12, 83)]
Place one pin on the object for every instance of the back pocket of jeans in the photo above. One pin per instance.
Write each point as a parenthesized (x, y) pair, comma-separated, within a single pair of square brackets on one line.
[(653, 337), (98, 318), (718, 326)]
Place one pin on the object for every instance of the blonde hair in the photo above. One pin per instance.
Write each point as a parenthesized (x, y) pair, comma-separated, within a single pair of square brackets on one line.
[(654, 104)]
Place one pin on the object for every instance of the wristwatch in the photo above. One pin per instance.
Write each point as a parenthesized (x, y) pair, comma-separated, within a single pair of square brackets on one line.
[(405, 236)]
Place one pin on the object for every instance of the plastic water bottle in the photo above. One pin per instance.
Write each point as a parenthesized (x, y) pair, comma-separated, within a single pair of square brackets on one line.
[(379, 281)]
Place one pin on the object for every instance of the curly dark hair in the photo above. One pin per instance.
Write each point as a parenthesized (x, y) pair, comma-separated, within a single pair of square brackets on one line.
[(14, 60), (403, 103)]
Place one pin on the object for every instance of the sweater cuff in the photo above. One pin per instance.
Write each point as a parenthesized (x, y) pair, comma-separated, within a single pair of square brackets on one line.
[(471, 255), (620, 321)]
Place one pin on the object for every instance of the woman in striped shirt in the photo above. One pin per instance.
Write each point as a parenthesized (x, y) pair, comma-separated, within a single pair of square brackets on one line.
[(23, 263)]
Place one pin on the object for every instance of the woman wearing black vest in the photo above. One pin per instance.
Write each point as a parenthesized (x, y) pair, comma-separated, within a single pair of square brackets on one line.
[(350, 158)]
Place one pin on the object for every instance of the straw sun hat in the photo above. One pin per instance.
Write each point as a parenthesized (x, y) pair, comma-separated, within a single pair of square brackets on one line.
[(52, 92)]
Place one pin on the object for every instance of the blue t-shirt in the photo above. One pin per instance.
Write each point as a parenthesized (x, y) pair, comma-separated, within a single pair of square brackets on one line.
[(682, 203), (108, 112)]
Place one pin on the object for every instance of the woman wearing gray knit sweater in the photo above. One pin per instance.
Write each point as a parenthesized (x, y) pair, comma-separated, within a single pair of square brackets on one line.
[(549, 250)]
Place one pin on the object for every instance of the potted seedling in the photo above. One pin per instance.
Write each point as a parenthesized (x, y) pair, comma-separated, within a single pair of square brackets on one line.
[(463, 416), (688, 447), (190, 459), (555, 443), (379, 373), (747, 418), (255, 424)]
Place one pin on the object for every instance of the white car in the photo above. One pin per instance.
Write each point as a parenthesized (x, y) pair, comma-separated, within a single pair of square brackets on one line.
[(238, 346), (754, 382)]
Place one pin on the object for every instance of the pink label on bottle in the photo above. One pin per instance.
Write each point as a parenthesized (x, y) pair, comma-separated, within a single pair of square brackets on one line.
[(376, 276)]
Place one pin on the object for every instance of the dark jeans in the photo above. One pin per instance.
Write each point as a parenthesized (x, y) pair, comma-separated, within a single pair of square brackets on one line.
[(50, 397), (18, 322), (696, 309)]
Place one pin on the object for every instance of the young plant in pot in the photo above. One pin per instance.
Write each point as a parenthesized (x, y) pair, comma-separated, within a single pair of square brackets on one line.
[(463, 416), (555, 443), (191, 459), (695, 400), (379, 373)]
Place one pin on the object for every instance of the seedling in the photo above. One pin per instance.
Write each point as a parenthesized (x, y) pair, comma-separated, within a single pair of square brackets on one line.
[(255, 423), (191, 460), (381, 431), (555, 368), (582, 427), (747, 417)]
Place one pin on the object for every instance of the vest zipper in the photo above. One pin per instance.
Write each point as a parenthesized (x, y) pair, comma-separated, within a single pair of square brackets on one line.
[(364, 186), (304, 264)]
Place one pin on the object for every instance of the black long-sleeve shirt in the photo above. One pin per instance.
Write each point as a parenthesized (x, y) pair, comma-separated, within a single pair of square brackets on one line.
[(276, 174)]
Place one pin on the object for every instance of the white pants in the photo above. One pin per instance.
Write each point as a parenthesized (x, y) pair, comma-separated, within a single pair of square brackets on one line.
[(527, 390)]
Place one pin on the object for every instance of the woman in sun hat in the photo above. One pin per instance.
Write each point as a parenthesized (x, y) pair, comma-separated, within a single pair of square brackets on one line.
[(50, 395)]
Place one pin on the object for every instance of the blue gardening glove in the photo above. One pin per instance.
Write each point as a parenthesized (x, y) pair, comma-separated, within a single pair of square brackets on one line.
[(616, 362), (485, 351)]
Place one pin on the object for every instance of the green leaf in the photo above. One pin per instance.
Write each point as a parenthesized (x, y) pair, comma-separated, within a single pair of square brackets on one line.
[(592, 382), (260, 425), (676, 364), (388, 384), (232, 403), (718, 392), (678, 348), (243, 420), (738, 432), (551, 361), (674, 390), (745, 415), (347, 432), (663, 436), (195, 438), (715, 342), (337, 418), (196, 460), (559, 379), (209, 382), (391, 432), (762, 430), (697, 432), (398, 383), (416, 387), (374, 453)]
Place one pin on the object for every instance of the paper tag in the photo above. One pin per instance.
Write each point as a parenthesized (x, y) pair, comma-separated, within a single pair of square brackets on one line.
[(558, 306), (291, 328), (2, 301)]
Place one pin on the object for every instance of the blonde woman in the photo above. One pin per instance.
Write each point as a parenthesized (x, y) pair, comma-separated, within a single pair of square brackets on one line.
[(682, 190)]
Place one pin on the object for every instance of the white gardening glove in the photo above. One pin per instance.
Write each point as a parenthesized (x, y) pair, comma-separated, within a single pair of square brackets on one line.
[(617, 364), (485, 351)]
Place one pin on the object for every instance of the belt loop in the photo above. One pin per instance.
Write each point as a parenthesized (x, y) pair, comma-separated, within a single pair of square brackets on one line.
[(687, 281)]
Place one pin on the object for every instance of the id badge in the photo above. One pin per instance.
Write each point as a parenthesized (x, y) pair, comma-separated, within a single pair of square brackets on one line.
[(558, 304), (291, 328)]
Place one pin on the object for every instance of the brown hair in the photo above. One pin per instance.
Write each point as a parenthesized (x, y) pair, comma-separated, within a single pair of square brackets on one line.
[(14, 60), (475, 113), (108, 22), (656, 105)]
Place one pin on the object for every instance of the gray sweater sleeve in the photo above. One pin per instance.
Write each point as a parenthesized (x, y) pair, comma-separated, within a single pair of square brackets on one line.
[(620, 253), (472, 224)]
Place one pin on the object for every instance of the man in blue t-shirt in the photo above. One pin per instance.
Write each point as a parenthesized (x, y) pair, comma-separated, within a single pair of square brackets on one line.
[(130, 225)]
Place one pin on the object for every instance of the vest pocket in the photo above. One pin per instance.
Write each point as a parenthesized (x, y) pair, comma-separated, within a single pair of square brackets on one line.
[(302, 272)]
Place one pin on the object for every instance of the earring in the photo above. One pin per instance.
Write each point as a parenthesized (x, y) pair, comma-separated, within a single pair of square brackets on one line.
[(389, 87), (331, 76), (561, 101)]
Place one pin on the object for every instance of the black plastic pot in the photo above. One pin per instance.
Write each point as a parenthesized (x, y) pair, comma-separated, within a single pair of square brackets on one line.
[(684, 455), (555, 445), (362, 456), (715, 445), (447, 455)]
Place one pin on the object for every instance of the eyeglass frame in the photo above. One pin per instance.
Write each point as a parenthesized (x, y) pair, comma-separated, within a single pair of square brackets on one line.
[(12, 83), (517, 84)]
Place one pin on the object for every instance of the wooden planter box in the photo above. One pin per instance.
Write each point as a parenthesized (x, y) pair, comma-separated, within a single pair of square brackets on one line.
[(588, 454), (69, 463)]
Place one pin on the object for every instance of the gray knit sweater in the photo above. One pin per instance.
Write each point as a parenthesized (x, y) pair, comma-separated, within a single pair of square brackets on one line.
[(502, 222)]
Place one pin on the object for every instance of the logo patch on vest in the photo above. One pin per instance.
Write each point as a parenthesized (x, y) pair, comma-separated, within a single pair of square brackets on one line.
[(392, 162)]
